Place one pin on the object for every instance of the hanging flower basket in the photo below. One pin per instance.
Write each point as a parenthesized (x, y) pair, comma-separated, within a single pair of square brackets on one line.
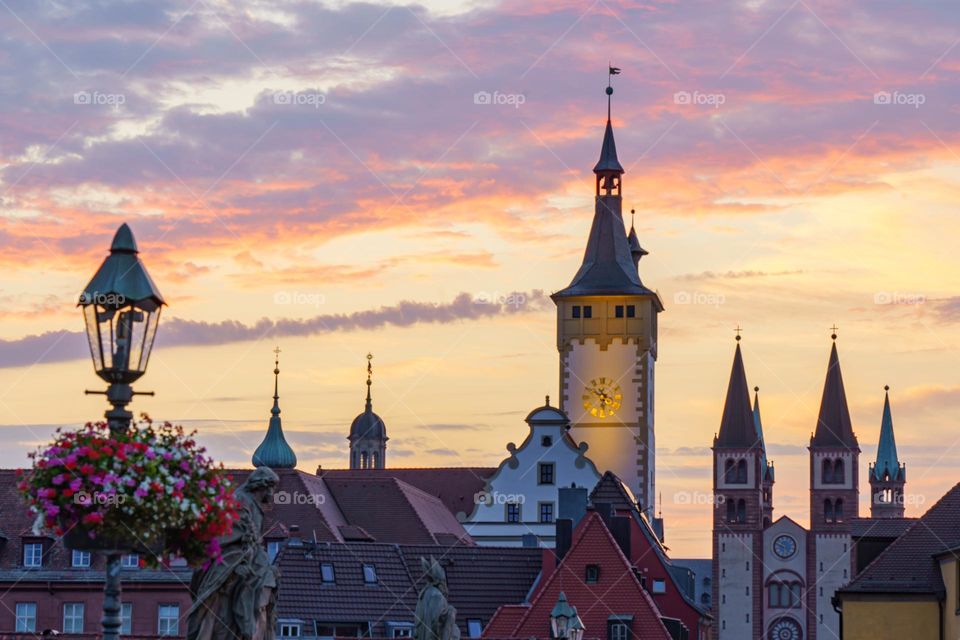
[(151, 490)]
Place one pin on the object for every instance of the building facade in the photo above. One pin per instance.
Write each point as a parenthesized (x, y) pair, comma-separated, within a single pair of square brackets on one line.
[(607, 339), (774, 579)]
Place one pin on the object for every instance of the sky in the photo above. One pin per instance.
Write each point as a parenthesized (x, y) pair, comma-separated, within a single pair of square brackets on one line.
[(413, 180)]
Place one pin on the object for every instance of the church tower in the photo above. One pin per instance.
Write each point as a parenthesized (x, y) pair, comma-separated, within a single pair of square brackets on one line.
[(368, 433), (741, 475), (274, 452), (834, 497), (607, 339), (887, 475)]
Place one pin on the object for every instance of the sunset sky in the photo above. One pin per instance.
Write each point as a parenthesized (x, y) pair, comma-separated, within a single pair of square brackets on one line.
[(322, 176)]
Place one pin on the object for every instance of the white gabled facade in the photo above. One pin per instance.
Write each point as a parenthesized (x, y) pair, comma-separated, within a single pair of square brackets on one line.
[(522, 496)]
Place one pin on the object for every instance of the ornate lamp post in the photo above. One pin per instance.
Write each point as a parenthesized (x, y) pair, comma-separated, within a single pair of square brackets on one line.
[(565, 623), (121, 308)]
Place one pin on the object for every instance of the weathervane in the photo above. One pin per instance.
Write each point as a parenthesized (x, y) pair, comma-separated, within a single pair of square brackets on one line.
[(611, 71)]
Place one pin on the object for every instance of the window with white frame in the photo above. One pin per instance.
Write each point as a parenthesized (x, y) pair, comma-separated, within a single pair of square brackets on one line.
[(33, 554), (130, 561), (26, 617), (289, 630), (401, 632), (73, 617), (81, 559), (619, 630), (126, 618), (168, 620)]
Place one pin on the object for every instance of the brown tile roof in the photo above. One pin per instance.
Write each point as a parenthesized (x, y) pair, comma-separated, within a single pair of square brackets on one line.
[(480, 579), (455, 486), (393, 511), (880, 527), (908, 564), (298, 500)]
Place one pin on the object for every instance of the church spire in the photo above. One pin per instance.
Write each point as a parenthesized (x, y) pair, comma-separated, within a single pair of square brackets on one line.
[(369, 406), (737, 427), (834, 428), (274, 452), (636, 251), (887, 465), (608, 167)]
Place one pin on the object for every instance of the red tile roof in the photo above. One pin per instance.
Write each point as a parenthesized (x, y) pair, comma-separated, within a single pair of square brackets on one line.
[(618, 592), (454, 486), (908, 564)]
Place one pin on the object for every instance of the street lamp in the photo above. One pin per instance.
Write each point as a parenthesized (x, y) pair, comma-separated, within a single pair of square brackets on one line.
[(121, 309), (565, 623)]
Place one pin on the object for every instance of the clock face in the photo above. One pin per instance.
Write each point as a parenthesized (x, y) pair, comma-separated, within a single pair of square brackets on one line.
[(602, 397), (784, 546)]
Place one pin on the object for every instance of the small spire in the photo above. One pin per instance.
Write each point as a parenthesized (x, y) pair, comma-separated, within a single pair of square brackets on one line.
[(369, 380), (887, 460), (548, 401), (276, 382)]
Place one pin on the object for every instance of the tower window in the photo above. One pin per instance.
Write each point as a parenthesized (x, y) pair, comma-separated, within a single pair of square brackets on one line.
[(838, 511), (587, 311), (828, 510), (631, 311), (618, 311), (576, 311)]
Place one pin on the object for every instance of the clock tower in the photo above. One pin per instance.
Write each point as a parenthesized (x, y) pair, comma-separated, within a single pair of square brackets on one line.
[(607, 338)]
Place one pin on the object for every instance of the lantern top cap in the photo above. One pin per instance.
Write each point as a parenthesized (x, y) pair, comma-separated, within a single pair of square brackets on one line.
[(123, 241), (122, 278), (562, 608)]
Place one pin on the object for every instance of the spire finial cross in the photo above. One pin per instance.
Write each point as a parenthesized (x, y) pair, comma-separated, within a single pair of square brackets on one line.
[(834, 329), (738, 330)]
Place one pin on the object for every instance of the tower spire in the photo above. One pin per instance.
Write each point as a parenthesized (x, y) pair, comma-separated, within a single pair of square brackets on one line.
[(369, 380), (887, 475), (834, 428), (737, 428), (274, 452)]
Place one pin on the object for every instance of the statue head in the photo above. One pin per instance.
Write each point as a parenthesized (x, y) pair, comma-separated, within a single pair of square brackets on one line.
[(434, 573), (260, 484)]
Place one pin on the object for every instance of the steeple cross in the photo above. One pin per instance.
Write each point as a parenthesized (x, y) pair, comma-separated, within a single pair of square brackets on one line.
[(738, 330), (834, 329)]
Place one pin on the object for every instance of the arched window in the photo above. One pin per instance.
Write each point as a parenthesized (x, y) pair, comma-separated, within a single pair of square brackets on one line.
[(731, 511), (828, 510), (774, 594), (795, 594), (826, 472), (838, 472), (374, 460), (728, 471), (742, 472), (741, 511), (838, 511), (363, 459)]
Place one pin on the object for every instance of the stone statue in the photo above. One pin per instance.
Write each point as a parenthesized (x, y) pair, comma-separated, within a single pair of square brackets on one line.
[(236, 599), (436, 618)]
